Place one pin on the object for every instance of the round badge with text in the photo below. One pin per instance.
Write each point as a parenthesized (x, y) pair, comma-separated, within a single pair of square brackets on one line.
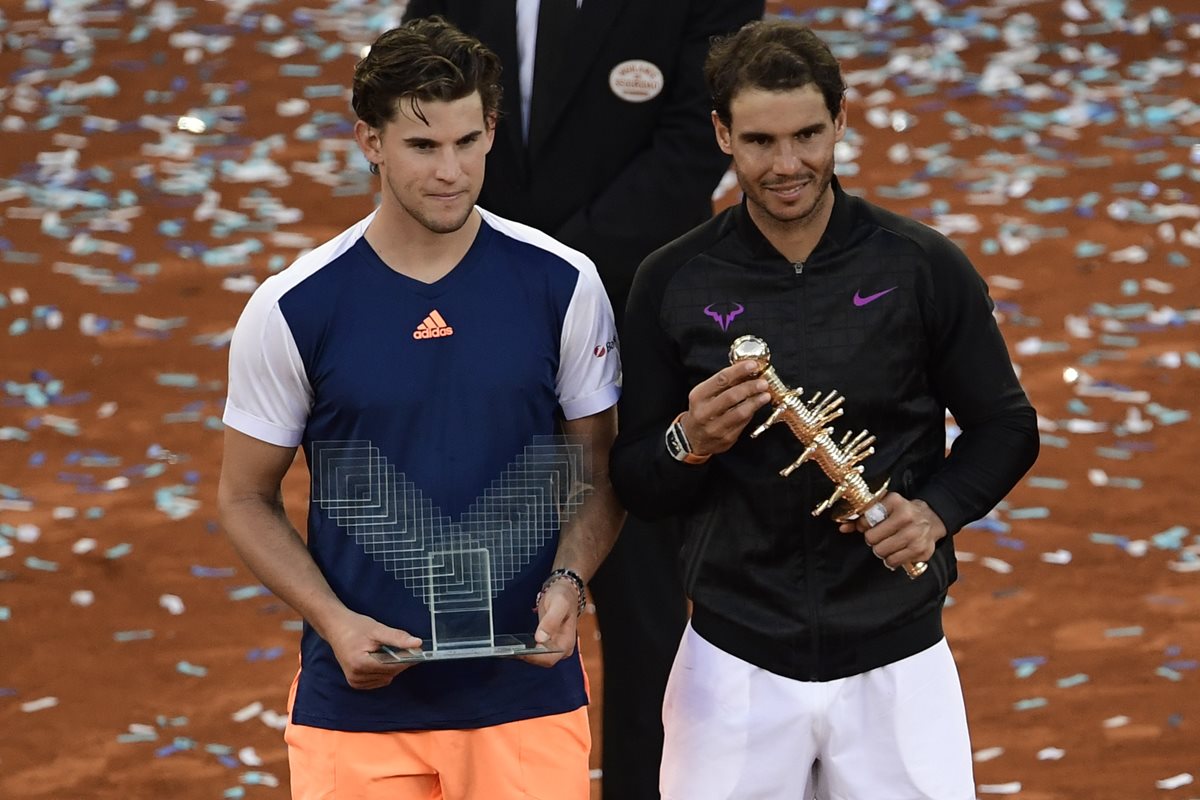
[(636, 81)]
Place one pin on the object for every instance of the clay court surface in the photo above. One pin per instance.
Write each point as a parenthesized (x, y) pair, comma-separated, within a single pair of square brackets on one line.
[(1058, 143)]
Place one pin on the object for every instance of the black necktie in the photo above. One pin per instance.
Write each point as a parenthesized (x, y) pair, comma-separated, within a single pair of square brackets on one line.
[(555, 21)]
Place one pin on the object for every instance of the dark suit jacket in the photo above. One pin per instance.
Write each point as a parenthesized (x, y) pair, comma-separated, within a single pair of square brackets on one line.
[(612, 178)]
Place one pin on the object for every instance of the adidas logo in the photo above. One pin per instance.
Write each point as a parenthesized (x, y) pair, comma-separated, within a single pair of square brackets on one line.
[(433, 327)]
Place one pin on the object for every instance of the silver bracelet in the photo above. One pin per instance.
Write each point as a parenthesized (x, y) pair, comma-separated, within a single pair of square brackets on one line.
[(558, 575)]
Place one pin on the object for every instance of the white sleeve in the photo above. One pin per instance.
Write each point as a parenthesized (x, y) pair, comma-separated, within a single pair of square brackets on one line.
[(589, 367), (269, 394)]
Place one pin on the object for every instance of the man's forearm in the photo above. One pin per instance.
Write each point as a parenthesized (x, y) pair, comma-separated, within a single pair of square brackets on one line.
[(273, 550), (586, 541)]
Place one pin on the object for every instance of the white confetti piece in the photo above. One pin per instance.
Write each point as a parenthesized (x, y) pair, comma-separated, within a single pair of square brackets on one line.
[(996, 565), (172, 603), (248, 712), (82, 546), (1012, 787), (41, 704), (273, 719), (28, 533), (1130, 255), (1116, 722), (1175, 781), (1059, 556), (1051, 754), (82, 598), (988, 754), (1005, 282), (1137, 548), (250, 757)]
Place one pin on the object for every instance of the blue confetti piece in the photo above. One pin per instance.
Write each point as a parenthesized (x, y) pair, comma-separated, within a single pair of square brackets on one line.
[(118, 551), (181, 380), (1038, 482), (1124, 633), (248, 592), (990, 524), (299, 70), (1030, 703), (212, 572), (1124, 483), (1170, 539), (187, 668), (1035, 512)]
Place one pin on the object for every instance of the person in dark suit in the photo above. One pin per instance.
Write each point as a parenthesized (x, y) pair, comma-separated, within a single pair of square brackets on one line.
[(604, 142)]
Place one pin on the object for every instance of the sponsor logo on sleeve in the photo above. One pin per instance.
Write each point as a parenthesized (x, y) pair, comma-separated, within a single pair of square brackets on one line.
[(601, 350)]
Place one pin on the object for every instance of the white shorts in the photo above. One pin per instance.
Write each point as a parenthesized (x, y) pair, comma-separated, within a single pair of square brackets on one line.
[(738, 732)]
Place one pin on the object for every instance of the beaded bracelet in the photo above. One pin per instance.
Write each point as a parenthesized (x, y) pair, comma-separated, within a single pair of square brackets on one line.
[(558, 575)]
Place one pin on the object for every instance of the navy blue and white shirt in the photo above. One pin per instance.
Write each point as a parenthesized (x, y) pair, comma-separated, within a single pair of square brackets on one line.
[(441, 386)]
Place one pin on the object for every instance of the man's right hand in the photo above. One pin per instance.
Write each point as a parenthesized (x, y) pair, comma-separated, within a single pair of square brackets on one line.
[(720, 407), (353, 638)]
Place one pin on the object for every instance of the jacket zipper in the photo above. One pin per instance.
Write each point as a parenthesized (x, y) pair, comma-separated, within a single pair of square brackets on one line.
[(810, 547)]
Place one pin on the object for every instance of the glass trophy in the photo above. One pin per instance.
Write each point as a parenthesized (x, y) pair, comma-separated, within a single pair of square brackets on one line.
[(456, 567)]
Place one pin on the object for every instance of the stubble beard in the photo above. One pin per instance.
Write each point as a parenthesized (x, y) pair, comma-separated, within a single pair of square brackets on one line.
[(427, 221), (793, 218)]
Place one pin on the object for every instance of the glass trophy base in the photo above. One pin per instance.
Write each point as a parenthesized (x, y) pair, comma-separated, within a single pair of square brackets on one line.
[(506, 646)]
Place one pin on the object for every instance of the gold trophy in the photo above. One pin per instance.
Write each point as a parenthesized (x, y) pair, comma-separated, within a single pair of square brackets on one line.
[(809, 421)]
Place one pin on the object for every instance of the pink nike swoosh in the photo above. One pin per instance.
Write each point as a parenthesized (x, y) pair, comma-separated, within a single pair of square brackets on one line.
[(860, 301)]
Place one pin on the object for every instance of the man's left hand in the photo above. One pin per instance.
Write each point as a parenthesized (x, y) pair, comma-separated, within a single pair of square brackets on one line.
[(907, 535), (558, 623)]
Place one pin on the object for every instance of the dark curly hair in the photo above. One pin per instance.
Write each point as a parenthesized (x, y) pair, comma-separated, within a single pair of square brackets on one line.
[(425, 59), (775, 55)]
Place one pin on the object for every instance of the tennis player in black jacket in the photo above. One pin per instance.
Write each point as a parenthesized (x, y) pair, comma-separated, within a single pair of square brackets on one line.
[(812, 666)]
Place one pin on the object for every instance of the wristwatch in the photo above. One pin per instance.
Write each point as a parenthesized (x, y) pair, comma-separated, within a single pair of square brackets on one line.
[(678, 445)]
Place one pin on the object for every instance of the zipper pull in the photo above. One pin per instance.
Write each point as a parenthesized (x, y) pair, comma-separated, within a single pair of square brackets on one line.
[(798, 266)]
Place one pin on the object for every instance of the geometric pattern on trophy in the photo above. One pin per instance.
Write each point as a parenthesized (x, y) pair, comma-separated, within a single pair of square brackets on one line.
[(435, 556)]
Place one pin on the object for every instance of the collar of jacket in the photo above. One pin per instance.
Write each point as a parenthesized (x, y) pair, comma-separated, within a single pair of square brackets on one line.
[(837, 230)]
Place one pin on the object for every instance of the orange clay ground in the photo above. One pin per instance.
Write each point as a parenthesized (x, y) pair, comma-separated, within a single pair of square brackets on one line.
[(1057, 142)]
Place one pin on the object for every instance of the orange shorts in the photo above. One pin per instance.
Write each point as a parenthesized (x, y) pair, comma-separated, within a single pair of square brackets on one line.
[(545, 758)]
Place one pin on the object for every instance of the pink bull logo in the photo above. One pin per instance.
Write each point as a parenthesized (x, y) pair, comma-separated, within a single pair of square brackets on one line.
[(724, 320)]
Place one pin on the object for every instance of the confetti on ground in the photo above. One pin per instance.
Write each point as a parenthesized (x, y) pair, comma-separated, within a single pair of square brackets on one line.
[(164, 159)]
